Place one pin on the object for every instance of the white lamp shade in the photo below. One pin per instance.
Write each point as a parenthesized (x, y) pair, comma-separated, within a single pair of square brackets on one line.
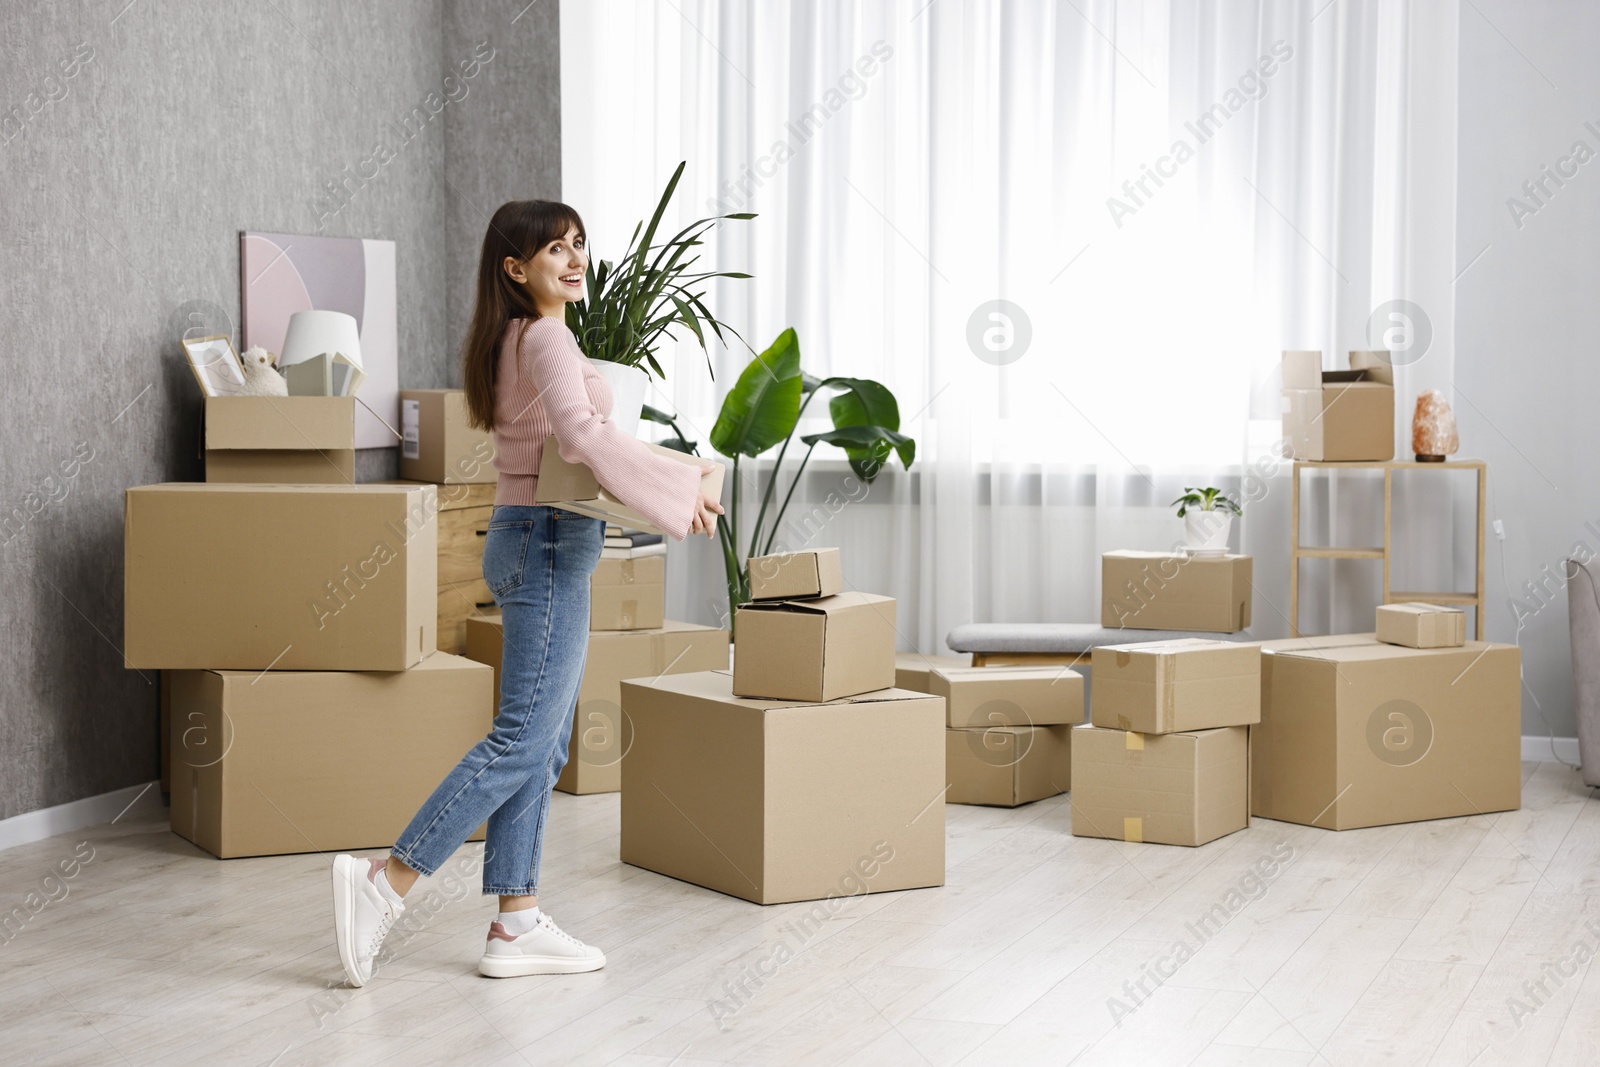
[(311, 333)]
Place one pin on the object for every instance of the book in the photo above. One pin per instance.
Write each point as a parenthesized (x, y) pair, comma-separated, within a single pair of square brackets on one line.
[(632, 539), (659, 549)]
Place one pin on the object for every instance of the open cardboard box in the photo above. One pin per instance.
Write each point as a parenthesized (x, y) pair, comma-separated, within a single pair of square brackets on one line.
[(823, 649), (304, 440), (1338, 414), (573, 486)]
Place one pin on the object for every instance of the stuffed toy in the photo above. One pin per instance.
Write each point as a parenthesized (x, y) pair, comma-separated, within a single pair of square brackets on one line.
[(261, 377)]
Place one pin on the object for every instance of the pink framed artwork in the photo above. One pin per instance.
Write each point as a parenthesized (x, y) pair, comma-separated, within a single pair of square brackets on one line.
[(281, 273)]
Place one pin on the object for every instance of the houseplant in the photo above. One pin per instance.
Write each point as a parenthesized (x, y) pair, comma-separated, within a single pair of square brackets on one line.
[(763, 411), (629, 307), (1207, 516)]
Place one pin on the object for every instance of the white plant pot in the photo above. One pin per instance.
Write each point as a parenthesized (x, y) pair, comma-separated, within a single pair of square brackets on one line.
[(628, 385), (1207, 531)]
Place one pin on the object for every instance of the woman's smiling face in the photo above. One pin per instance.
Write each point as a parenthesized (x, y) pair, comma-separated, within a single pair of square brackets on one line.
[(554, 274)]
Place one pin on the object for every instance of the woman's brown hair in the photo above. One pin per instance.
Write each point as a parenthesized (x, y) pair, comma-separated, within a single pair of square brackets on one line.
[(519, 229)]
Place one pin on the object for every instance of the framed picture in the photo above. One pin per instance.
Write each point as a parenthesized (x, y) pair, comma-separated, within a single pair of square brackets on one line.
[(281, 273), (215, 365)]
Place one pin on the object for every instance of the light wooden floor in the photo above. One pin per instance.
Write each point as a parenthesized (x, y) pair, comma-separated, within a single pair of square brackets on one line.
[(1400, 944)]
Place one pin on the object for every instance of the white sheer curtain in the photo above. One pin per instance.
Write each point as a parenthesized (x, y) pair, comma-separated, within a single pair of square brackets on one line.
[(1165, 194)]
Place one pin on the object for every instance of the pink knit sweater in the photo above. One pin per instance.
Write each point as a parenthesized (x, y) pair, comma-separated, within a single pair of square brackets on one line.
[(544, 386)]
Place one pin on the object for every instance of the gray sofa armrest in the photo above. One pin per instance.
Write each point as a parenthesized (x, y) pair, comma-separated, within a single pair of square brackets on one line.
[(1583, 609)]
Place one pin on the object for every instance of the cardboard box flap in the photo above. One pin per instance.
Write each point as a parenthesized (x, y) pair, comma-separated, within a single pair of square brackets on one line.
[(1375, 366), (825, 605), (573, 486), (1302, 370), (280, 422)]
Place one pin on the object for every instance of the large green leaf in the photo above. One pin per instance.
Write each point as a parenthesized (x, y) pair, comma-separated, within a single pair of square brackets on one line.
[(764, 404), (864, 402), (868, 447)]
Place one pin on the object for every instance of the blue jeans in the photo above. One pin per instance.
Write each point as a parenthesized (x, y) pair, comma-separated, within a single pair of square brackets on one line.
[(537, 562)]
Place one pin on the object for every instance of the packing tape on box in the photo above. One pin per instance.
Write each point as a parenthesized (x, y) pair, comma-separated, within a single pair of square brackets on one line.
[(1135, 741), (630, 612), (627, 572), (1133, 830)]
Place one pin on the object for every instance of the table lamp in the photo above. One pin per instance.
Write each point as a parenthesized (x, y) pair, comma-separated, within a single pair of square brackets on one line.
[(322, 354)]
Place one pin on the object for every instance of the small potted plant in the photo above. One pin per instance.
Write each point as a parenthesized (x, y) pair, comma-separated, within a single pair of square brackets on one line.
[(1207, 516)]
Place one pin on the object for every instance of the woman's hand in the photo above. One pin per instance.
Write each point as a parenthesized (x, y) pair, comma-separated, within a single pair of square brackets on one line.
[(706, 509)]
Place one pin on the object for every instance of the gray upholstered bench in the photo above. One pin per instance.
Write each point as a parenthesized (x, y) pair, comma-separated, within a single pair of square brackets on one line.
[(993, 644)]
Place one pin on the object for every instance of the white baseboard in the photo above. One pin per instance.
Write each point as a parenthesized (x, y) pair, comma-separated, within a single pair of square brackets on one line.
[(1538, 747), (90, 811)]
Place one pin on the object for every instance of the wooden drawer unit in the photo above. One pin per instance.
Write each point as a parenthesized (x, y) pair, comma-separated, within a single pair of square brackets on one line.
[(464, 512), (461, 534)]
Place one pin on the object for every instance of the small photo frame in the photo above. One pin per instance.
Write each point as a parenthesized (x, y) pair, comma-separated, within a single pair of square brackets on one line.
[(215, 365)]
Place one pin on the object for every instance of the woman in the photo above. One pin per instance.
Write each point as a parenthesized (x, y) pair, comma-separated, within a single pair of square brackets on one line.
[(525, 380)]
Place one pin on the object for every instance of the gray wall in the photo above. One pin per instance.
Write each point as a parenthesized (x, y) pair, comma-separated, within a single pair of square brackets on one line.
[(1526, 317), (125, 186)]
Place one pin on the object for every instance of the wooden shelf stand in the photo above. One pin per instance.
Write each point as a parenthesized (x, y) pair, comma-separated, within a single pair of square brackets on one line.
[(1298, 552)]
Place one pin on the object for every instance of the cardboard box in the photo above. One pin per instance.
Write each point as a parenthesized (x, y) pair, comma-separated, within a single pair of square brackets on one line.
[(1418, 625), (796, 575), (1173, 591), (318, 761), (777, 801), (251, 577), (305, 440), (1166, 789), (573, 487), (628, 594), (1355, 732), (1164, 687), (912, 670), (1339, 414), (1004, 766), (438, 442), (834, 646), (1009, 696), (601, 734)]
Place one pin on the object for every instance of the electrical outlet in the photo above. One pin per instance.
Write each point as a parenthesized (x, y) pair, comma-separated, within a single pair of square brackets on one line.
[(1499, 530)]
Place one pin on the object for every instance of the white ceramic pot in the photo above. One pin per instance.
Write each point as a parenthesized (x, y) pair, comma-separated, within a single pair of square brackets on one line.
[(628, 385), (1207, 531)]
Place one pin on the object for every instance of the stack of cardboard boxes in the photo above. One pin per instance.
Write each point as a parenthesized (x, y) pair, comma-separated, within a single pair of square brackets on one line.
[(1165, 757), (601, 733), (1008, 730), (294, 627), (1413, 722), (803, 773)]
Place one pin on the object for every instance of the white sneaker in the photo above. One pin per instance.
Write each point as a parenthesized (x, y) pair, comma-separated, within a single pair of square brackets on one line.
[(546, 949), (362, 915)]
